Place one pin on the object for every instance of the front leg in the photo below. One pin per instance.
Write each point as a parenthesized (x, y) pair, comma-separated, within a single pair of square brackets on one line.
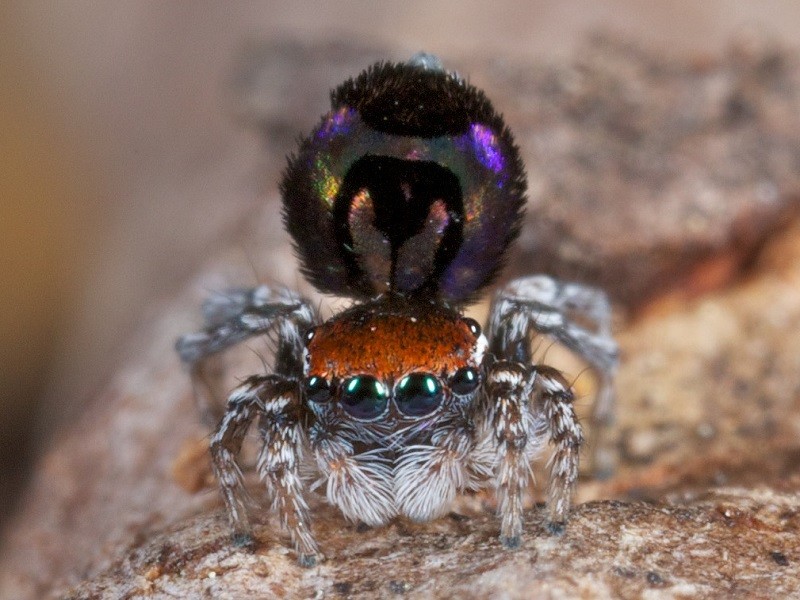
[(516, 432), (525, 404), (575, 315), (554, 400), (276, 401)]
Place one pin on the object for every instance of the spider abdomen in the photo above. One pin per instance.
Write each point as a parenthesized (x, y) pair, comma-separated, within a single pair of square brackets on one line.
[(412, 184)]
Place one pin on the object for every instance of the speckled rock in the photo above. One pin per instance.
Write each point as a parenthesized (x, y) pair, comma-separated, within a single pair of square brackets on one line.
[(648, 174), (691, 548)]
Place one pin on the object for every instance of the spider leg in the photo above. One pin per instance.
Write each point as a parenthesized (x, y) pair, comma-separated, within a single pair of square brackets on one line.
[(524, 402), (515, 428), (577, 316), (554, 398), (226, 443), (235, 316), (275, 400)]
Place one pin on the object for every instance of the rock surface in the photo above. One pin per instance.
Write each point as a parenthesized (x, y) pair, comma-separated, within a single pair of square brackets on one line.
[(689, 549), (704, 502), (684, 169)]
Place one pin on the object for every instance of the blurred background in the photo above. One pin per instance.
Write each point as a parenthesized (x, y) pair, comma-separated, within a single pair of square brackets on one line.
[(124, 162)]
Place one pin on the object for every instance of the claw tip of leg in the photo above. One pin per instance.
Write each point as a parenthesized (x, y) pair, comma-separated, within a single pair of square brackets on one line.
[(244, 540), (511, 542), (556, 527), (307, 560)]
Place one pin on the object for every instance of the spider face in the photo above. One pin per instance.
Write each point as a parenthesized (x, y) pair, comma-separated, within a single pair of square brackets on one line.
[(405, 198), (393, 361)]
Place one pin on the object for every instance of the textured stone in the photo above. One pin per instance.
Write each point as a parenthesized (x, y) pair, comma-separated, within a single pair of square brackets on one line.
[(646, 174), (731, 542)]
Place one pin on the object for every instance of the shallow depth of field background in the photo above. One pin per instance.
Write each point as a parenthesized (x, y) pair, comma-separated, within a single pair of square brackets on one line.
[(117, 144)]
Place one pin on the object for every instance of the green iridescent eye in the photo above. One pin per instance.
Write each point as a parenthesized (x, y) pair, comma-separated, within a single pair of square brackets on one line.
[(364, 397), (418, 394)]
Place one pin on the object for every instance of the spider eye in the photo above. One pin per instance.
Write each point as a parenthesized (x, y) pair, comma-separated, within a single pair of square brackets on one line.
[(317, 389), (418, 394), (465, 381), (364, 397), (473, 325)]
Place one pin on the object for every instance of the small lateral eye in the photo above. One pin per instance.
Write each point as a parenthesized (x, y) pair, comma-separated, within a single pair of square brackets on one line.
[(317, 389), (310, 334), (465, 381), (418, 394), (364, 397), (473, 325)]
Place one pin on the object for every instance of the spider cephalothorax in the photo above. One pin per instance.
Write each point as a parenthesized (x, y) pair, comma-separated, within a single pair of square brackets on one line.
[(405, 198)]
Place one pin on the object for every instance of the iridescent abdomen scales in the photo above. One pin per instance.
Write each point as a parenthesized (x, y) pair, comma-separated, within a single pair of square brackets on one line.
[(411, 184)]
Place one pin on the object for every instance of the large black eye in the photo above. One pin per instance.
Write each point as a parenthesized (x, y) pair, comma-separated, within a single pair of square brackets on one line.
[(465, 381), (418, 394), (317, 389), (364, 397)]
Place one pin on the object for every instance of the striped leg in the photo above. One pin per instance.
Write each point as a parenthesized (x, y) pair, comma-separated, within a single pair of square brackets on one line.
[(276, 401), (577, 316), (236, 316), (554, 399), (515, 429), (526, 406)]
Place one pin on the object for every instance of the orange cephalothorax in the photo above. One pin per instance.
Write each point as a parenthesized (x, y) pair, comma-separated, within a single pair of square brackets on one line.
[(389, 341)]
